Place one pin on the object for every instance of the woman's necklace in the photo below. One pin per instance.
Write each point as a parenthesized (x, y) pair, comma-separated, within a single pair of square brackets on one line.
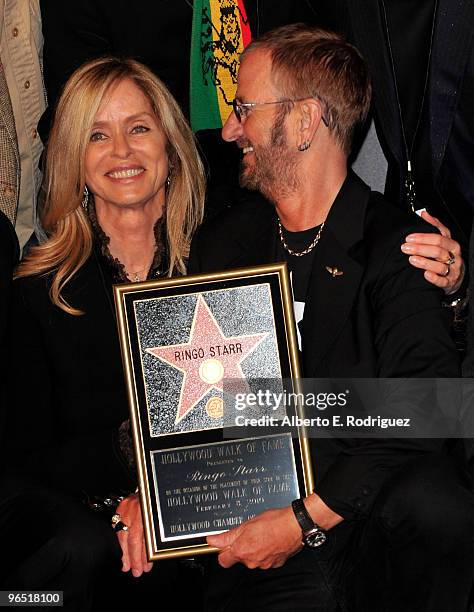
[(138, 276)]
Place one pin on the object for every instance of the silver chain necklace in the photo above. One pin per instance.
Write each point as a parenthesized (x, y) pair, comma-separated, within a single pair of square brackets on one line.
[(307, 250)]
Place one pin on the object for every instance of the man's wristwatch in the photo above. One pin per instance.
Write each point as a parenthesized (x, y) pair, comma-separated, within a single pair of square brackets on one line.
[(313, 535)]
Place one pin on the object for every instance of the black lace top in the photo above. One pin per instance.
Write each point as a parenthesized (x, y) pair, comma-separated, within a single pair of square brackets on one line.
[(119, 275)]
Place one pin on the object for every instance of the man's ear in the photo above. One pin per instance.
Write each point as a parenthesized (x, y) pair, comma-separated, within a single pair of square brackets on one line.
[(309, 120)]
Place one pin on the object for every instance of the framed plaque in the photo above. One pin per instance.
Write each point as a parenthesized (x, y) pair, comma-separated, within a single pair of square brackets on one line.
[(185, 343)]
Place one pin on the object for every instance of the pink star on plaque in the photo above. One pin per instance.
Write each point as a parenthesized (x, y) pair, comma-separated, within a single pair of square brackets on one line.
[(206, 359)]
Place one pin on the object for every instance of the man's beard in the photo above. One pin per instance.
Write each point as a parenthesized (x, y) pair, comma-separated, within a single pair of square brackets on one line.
[(274, 169)]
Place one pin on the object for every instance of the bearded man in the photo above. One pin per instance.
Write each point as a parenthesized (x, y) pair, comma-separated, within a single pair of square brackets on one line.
[(394, 514)]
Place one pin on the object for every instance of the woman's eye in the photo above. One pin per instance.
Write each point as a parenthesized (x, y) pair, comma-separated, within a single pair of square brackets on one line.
[(140, 129), (96, 136)]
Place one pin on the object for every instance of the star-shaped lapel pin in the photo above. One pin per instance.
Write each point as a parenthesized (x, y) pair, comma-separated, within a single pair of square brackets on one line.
[(206, 359)]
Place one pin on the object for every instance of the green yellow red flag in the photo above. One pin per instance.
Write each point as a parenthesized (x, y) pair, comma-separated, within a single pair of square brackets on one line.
[(220, 33)]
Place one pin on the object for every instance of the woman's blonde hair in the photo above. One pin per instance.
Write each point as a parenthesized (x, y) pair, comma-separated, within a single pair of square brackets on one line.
[(70, 236)]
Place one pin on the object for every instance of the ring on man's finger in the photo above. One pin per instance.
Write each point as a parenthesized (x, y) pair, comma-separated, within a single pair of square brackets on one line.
[(447, 270), (451, 259)]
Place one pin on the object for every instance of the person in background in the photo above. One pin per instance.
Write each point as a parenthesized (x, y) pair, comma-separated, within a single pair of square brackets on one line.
[(22, 102), (124, 193), (421, 59), (420, 56)]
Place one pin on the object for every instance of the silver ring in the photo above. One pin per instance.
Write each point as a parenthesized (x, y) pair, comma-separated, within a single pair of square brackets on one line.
[(448, 268), (117, 523), (120, 526), (451, 259), (115, 519)]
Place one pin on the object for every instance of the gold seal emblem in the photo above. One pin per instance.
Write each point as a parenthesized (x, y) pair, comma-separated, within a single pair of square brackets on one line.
[(215, 407)]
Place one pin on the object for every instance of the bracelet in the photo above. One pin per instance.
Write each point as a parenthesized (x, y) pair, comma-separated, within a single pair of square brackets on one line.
[(458, 306)]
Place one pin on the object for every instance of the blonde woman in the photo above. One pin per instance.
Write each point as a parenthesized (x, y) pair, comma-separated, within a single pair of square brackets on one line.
[(124, 194)]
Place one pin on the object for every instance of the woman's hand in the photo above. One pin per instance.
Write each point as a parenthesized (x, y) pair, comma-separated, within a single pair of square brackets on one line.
[(132, 541), (438, 254)]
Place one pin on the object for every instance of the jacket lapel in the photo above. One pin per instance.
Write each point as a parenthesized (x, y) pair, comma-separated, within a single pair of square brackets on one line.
[(331, 295), (452, 45)]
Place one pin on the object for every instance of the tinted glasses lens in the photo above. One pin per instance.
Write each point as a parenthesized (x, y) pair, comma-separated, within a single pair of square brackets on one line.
[(236, 108)]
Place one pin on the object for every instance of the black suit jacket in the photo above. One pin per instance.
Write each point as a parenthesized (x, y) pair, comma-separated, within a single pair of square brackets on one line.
[(443, 161), (66, 389), (446, 180), (379, 319)]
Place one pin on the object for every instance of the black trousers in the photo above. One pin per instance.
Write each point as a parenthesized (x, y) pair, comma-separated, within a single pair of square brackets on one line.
[(50, 541), (415, 553)]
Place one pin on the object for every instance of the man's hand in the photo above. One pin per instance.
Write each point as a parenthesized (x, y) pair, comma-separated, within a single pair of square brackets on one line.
[(270, 538), (432, 252), (266, 541), (132, 541)]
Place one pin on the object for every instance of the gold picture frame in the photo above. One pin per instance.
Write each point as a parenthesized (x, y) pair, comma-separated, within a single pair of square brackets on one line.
[(182, 339)]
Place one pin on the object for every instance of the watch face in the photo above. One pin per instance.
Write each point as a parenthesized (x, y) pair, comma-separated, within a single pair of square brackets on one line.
[(315, 538)]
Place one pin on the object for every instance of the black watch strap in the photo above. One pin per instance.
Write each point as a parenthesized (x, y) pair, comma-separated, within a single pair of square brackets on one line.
[(302, 515)]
